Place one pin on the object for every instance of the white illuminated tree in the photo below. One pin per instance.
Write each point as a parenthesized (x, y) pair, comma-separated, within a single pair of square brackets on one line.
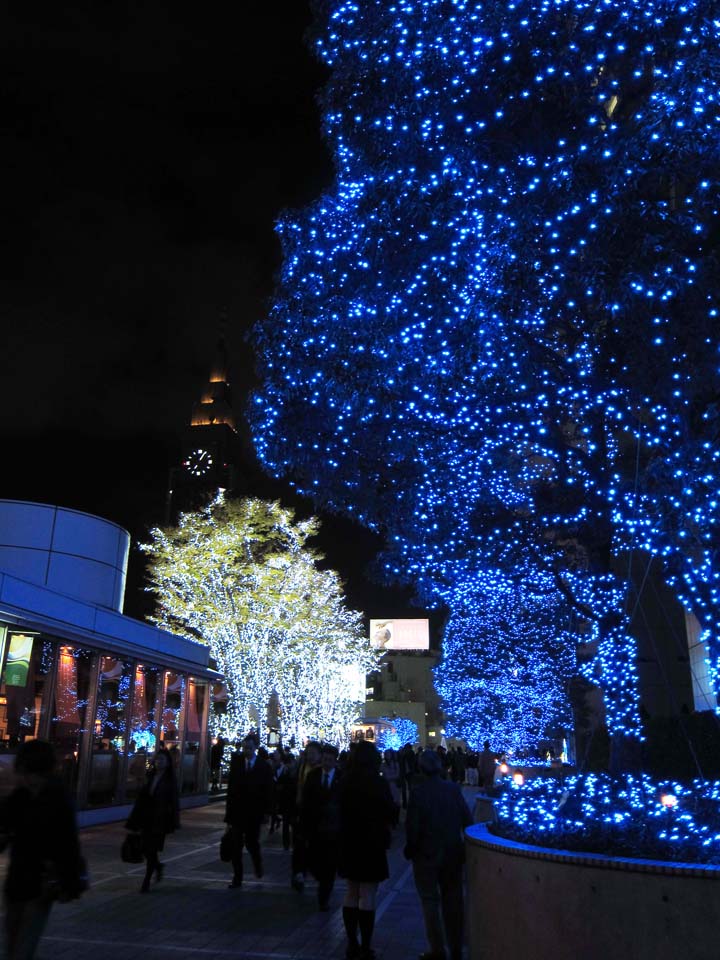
[(239, 576)]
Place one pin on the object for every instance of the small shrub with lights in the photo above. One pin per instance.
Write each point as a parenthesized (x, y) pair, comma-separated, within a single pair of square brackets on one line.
[(637, 817)]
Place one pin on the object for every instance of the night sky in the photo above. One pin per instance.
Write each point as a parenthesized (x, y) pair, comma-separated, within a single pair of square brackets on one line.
[(147, 150)]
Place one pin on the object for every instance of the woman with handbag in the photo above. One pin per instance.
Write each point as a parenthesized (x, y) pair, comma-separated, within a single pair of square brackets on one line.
[(155, 814)]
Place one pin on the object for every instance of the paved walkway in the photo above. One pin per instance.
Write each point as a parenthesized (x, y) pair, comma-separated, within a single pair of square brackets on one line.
[(192, 915)]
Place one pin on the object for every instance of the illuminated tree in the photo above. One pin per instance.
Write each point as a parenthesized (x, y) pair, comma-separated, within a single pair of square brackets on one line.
[(395, 732), (496, 338), (506, 663), (239, 576)]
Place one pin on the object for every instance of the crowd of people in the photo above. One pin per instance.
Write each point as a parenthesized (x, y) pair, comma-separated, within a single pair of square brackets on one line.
[(336, 813)]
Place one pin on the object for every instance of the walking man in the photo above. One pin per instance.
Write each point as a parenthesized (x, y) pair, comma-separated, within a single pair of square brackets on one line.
[(249, 795), (487, 765), (436, 816), (298, 860), (320, 820)]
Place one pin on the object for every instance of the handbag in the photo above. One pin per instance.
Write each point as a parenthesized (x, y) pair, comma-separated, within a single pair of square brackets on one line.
[(226, 845), (131, 850)]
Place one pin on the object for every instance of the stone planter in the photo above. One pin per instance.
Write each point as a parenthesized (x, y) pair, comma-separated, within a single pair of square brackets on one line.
[(484, 809), (541, 904)]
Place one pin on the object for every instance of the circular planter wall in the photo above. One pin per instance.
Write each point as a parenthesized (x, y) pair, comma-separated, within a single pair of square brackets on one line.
[(525, 901)]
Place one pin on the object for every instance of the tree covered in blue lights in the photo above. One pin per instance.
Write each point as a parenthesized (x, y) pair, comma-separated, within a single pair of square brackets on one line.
[(395, 732), (495, 337), (515, 693)]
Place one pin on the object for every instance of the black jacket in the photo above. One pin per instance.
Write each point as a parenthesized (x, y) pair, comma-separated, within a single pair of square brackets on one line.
[(156, 811), (436, 817), (249, 793), (320, 807), (367, 813)]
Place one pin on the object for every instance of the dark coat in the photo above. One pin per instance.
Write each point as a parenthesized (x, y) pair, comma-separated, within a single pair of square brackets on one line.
[(156, 811), (286, 790), (217, 751), (436, 817), (320, 807), (367, 813), (249, 793), (320, 820), (44, 846)]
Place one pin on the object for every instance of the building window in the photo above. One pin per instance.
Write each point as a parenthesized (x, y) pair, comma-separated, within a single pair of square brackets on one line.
[(68, 715), (110, 740)]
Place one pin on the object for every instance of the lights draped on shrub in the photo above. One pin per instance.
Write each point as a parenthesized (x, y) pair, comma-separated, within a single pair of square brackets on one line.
[(634, 817), (240, 577), (495, 340)]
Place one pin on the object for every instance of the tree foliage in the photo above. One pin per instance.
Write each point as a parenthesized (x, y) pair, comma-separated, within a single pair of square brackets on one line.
[(240, 577)]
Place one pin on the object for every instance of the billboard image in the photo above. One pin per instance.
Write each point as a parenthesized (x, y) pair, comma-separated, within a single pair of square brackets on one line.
[(400, 634), (18, 660)]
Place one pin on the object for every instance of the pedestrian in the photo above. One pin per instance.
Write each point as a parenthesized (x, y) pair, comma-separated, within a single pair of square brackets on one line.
[(436, 817), (471, 773), (217, 751), (458, 765), (408, 770), (249, 799), (155, 814), (444, 760), (367, 813), (298, 861), (37, 819), (286, 796), (390, 770), (320, 819), (487, 765)]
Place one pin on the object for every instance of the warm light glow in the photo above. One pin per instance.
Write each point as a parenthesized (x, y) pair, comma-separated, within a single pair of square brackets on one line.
[(518, 779), (668, 800)]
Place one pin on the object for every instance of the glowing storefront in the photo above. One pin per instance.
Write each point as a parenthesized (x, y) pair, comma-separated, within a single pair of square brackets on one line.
[(104, 688)]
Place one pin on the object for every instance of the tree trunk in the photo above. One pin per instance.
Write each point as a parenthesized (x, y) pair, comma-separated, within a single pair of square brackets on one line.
[(625, 754)]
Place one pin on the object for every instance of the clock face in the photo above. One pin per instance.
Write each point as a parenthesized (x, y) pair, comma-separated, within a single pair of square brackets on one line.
[(199, 463)]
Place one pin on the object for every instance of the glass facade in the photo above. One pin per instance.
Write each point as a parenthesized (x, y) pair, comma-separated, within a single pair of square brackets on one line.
[(105, 714)]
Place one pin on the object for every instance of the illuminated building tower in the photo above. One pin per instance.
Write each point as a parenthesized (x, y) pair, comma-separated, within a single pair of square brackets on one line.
[(210, 445)]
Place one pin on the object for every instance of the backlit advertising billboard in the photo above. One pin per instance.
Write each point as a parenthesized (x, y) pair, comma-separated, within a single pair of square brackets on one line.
[(400, 634)]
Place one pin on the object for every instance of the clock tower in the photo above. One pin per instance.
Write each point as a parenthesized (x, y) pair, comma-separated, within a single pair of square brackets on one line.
[(210, 445)]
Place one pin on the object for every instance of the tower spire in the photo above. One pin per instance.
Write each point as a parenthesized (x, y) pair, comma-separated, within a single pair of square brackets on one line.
[(215, 404)]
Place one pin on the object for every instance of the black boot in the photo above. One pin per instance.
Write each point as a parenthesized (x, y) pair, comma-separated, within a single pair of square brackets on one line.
[(350, 920), (366, 922)]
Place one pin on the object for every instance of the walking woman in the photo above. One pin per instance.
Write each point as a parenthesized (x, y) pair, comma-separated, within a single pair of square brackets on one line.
[(155, 814), (367, 813)]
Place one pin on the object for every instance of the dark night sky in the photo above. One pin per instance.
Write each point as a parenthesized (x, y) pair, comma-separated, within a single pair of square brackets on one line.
[(147, 150)]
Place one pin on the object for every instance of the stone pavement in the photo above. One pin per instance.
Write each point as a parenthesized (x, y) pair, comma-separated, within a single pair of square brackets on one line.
[(192, 915)]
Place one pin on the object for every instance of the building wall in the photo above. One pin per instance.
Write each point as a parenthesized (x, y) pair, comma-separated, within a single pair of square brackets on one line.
[(104, 689), (404, 686), (74, 553)]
